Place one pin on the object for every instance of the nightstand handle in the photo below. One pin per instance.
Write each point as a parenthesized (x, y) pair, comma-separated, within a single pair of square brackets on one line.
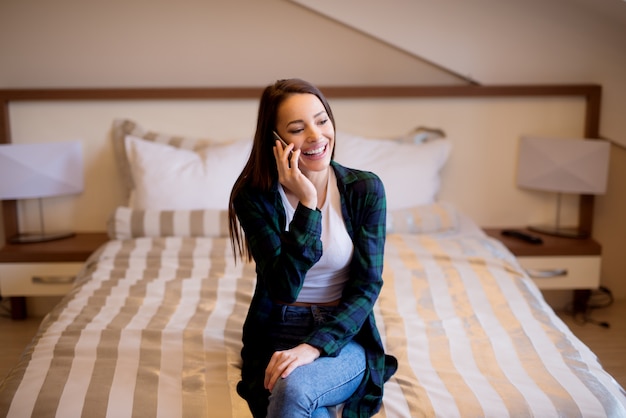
[(546, 274), (53, 279)]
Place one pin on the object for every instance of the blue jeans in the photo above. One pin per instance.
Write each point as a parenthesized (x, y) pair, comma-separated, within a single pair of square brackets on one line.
[(312, 390)]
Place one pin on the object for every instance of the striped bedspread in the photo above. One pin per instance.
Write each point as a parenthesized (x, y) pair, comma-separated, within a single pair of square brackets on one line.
[(153, 329)]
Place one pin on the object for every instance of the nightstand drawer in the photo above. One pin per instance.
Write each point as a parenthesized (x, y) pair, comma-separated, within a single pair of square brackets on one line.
[(37, 279), (579, 272)]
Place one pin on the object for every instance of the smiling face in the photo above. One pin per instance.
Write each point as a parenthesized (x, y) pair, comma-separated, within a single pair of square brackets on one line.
[(303, 121)]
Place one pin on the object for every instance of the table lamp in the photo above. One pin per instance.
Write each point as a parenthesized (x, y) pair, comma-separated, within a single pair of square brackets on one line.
[(35, 171), (578, 166)]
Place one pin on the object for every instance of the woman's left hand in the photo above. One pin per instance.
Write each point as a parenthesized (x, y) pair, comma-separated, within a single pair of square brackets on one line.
[(284, 362)]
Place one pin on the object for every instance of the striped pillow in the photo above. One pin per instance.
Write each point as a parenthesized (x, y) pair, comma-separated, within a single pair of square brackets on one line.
[(424, 219), (127, 223)]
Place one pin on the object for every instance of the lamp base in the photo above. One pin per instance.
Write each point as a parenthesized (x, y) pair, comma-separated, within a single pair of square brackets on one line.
[(559, 231), (28, 238)]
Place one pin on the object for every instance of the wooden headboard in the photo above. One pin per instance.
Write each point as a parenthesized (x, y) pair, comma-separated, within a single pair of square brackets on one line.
[(589, 95)]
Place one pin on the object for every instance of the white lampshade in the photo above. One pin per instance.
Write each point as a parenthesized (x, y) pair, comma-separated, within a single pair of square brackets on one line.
[(37, 171), (560, 165), (40, 170), (563, 165)]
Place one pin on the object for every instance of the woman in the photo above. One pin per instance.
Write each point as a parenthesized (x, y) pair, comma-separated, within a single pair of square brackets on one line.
[(316, 231)]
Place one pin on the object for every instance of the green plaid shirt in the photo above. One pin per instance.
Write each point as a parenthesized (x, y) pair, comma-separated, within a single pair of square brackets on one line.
[(282, 260)]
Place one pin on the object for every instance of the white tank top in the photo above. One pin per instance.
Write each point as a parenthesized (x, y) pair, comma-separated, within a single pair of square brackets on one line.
[(324, 282)]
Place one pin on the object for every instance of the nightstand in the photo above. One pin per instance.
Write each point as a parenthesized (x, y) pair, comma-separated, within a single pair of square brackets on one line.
[(557, 263), (43, 269)]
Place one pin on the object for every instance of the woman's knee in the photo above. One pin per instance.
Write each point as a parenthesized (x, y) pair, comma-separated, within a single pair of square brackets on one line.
[(293, 395), (325, 382), (292, 388)]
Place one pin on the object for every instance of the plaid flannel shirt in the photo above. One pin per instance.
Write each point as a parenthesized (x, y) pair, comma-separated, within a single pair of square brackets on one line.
[(282, 261)]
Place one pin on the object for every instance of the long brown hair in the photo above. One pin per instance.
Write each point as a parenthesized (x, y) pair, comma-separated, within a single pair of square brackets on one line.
[(260, 171)]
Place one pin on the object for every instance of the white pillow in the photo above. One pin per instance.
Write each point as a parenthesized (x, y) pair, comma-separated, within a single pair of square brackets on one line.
[(123, 127), (410, 172), (170, 178)]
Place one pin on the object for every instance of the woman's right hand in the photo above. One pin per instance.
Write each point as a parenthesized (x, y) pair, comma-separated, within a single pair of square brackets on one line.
[(284, 362), (290, 176)]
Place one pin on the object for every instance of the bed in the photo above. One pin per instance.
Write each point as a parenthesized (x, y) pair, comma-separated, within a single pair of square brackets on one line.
[(152, 325)]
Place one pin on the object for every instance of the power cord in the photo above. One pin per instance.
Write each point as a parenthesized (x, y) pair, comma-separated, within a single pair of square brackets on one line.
[(598, 299)]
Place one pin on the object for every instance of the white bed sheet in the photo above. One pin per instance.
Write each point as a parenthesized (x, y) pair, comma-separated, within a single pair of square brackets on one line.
[(153, 328)]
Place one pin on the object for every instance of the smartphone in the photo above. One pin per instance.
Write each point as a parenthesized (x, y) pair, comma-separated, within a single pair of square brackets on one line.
[(282, 141)]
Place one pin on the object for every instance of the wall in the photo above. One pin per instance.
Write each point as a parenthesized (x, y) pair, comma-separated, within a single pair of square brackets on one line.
[(189, 43), (610, 225), (250, 42)]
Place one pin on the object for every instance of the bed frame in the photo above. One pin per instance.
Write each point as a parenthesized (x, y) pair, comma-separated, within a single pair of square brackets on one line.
[(484, 304), (591, 94)]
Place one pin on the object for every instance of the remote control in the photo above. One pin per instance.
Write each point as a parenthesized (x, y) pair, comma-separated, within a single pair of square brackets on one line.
[(513, 233)]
